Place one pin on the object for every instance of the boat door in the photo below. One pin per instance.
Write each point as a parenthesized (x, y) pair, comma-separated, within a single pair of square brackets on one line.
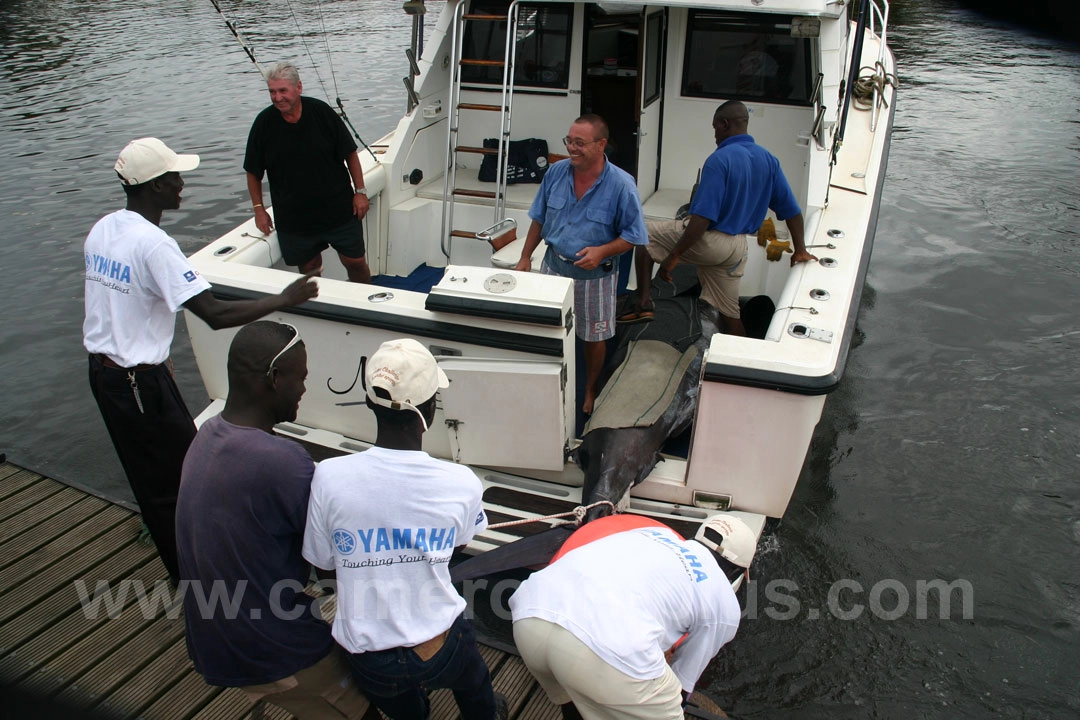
[(623, 84), (610, 83), (650, 100)]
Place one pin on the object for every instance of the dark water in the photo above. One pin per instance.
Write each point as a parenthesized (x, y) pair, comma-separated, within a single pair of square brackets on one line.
[(950, 453)]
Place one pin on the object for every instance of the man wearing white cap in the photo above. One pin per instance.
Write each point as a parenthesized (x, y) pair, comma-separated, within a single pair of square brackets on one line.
[(137, 279), (387, 520), (627, 615)]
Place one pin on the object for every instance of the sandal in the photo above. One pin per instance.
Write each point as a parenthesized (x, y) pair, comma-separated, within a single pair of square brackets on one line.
[(636, 314)]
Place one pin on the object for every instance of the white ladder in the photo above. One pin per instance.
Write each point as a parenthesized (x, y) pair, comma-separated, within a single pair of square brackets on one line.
[(501, 225)]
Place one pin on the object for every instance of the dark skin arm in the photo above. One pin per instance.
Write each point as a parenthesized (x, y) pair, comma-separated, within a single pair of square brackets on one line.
[(219, 314), (693, 231), (697, 227)]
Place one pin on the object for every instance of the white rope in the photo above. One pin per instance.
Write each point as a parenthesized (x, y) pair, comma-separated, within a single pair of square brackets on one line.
[(578, 513)]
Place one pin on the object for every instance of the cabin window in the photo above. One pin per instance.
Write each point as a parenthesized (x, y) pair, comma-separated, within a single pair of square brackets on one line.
[(654, 45), (744, 57), (543, 45)]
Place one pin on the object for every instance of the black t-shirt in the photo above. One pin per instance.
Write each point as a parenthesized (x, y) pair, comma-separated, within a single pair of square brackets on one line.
[(310, 187)]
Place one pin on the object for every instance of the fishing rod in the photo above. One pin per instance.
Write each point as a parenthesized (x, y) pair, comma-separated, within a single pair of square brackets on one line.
[(251, 55)]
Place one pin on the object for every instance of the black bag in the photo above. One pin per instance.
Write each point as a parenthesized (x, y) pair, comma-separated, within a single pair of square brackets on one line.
[(528, 161)]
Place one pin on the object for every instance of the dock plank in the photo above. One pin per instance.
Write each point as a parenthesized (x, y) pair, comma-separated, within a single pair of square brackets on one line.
[(47, 573), (230, 704), (182, 698), (7, 470), (26, 554), (30, 495), (80, 657), (152, 682), (127, 663), (16, 481), (67, 629), (538, 707), (515, 682), (33, 516)]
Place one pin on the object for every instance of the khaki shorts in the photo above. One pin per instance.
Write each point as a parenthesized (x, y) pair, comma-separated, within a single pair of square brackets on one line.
[(570, 672), (324, 690), (720, 261)]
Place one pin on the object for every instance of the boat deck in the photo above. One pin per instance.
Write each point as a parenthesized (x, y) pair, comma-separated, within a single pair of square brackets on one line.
[(56, 540)]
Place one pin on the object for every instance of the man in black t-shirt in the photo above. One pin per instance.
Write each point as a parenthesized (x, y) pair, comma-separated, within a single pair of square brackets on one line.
[(316, 183)]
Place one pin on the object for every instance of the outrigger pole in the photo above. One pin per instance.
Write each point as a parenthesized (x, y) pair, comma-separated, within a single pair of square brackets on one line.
[(251, 55)]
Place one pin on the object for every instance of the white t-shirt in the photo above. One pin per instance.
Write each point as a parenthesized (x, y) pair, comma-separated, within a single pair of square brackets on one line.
[(136, 281), (630, 596), (387, 521)]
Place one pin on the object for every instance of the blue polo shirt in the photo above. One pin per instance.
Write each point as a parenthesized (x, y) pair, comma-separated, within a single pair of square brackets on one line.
[(739, 183), (609, 209)]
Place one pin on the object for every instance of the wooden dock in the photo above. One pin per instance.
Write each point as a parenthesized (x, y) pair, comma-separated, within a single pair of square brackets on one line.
[(128, 660)]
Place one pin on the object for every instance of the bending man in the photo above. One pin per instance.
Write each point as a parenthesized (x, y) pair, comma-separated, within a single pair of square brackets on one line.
[(623, 598)]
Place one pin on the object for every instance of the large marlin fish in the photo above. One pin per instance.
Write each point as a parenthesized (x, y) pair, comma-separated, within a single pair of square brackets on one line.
[(615, 459)]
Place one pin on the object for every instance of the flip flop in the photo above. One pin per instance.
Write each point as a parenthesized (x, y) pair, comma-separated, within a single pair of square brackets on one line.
[(636, 315)]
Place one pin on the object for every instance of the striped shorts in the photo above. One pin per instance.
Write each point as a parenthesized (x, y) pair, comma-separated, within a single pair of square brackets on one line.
[(594, 305)]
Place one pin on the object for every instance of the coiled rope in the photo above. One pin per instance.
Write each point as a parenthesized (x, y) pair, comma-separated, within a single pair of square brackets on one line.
[(871, 79), (578, 513)]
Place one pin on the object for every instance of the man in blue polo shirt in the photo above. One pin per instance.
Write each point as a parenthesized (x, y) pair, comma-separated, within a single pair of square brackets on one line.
[(588, 211), (740, 182)]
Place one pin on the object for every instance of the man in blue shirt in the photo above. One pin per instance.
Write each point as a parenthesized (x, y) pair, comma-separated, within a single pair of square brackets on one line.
[(588, 211), (740, 182)]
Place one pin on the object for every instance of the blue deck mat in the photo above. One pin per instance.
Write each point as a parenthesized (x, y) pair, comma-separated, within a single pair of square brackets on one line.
[(422, 279)]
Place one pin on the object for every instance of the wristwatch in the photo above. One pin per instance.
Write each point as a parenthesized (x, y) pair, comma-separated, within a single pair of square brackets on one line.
[(361, 191)]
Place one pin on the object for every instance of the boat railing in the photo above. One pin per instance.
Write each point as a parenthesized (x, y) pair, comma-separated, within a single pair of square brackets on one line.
[(879, 17)]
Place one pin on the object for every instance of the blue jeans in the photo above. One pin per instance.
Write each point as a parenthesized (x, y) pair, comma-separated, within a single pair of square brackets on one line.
[(397, 681)]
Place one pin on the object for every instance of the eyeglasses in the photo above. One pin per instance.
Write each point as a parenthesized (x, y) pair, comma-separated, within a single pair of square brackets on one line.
[(288, 346), (578, 143)]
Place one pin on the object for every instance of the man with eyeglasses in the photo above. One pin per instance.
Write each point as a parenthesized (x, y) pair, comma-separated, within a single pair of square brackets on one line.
[(137, 279), (240, 519), (386, 521), (588, 211)]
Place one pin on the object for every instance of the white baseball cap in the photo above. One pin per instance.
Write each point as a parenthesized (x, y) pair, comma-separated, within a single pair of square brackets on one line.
[(729, 537), (144, 159), (407, 372)]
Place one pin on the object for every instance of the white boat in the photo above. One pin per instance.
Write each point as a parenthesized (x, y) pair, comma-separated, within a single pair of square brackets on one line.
[(656, 72)]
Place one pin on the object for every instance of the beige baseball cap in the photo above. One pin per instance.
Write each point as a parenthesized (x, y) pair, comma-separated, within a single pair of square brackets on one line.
[(729, 537), (144, 159), (408, 372)]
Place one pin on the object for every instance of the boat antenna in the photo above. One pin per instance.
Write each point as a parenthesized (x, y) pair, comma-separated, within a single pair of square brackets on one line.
[(333, 75)]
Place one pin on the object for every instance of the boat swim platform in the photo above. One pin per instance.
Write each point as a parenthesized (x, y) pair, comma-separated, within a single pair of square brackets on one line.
[(129, 659)]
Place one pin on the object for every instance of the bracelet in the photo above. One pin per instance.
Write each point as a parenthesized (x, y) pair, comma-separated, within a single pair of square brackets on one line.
[(257, 205)]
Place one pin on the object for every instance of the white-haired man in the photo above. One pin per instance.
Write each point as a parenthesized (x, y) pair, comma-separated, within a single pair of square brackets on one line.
[(316, 183)]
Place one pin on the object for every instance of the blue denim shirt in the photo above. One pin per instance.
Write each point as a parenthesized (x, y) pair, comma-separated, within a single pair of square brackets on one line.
[(608, 210), (739, 183)]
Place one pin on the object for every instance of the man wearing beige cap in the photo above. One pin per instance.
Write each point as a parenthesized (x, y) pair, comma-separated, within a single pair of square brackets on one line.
[(387, 520), (627, 615), (137, 279)]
